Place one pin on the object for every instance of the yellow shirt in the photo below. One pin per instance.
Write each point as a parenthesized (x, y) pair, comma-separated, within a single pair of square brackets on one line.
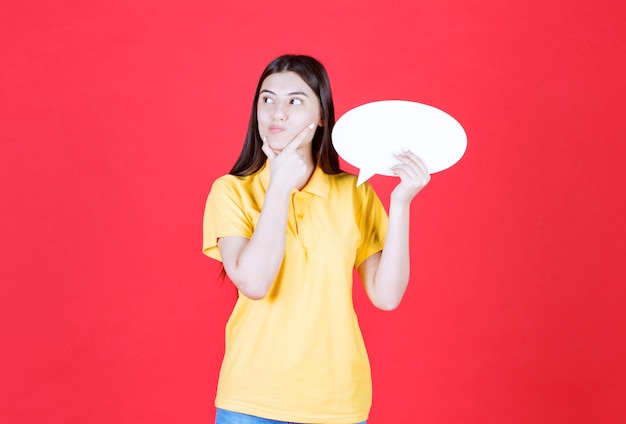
[(298, 354)]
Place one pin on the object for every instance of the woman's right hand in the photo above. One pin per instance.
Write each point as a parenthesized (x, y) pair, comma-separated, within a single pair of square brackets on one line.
[(289, 168), (252, 264)]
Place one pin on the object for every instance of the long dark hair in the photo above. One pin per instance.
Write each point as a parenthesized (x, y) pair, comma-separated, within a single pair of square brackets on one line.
[(251, 159)]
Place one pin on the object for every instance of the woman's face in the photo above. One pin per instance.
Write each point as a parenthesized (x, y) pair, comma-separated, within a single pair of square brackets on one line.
[(287, 105)]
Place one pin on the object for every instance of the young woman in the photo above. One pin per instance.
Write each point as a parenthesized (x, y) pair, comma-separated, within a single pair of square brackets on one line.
[(290, 227)]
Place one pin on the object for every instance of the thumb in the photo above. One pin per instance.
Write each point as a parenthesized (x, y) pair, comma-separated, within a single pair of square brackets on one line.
[(268, 150)]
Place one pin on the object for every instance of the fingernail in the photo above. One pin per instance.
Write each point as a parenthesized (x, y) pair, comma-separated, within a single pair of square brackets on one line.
[(312, 126)]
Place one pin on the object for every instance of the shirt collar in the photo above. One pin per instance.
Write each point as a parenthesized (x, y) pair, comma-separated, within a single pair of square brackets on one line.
[(319, 183)]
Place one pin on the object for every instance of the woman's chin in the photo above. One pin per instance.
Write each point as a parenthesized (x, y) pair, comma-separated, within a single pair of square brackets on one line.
[(277, 147)]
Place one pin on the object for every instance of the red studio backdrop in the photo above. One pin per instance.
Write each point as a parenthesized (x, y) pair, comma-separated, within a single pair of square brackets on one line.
[(116, 117)]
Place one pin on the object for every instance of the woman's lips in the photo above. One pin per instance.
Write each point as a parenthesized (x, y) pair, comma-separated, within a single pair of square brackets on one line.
[(275, 129)]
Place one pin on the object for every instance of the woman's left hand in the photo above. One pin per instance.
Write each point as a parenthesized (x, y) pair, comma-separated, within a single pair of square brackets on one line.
[(413, 174)]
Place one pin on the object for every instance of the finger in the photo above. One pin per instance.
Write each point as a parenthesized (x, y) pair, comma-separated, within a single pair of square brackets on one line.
[(297, 141), (268, 150), (408, 163), (414, 160), (413, 166), (407, 171), (411, 176)]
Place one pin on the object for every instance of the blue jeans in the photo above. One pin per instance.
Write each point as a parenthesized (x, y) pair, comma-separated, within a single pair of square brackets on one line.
[(227, 417)]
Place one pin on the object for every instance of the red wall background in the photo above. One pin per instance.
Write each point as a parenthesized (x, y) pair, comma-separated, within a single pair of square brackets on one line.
[(116, 116)]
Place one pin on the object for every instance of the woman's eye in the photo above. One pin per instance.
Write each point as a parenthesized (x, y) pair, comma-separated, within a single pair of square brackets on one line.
[(268, 100), (296, 101)]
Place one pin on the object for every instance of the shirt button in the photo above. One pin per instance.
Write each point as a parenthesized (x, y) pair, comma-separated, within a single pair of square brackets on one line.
[(300, 216)]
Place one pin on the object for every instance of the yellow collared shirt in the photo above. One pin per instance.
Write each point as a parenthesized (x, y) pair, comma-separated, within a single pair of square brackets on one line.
[(298, 353)]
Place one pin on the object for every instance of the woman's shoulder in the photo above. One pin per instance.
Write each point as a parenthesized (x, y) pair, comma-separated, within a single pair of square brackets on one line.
[(234, 180), (228, 179), (228, 185), (342, 177)]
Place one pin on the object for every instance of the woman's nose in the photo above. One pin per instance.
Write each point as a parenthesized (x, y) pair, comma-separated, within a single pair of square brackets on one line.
[(280, 114)]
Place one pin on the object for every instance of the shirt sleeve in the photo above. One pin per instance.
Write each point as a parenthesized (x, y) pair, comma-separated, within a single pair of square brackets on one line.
[(224, 216), (372, 218)]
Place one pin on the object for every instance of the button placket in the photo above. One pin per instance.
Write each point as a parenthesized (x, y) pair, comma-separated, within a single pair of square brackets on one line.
[(299, 214)]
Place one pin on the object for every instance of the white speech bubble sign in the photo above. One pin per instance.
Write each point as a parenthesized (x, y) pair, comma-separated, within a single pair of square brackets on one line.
[(368, 136)]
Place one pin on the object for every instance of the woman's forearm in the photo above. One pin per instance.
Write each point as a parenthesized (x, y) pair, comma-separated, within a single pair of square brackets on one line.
[(392, 276), (256, 264)]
